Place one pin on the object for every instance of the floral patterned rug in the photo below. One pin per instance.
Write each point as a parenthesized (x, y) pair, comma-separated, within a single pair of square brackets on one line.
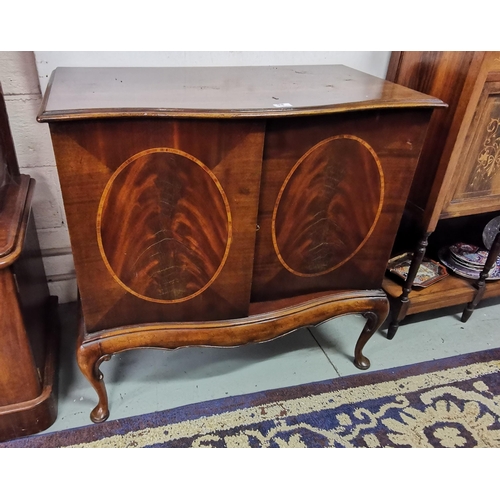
[(453, 402)]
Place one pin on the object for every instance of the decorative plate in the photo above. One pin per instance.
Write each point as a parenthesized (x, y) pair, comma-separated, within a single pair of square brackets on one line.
[(445, 258), (468, 265), (490, 231), (469, 254), (429, 272)]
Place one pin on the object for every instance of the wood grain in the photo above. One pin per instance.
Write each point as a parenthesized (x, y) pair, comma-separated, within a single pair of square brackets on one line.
[(445, 75), (13, 217), (28, 392), (210, 185), (282, 319), (164, 225), (318, 223), (477, 184), (24, 298), (457, 176), (27, 416), (485, 152), (371, 175), (472, 100), (16, 356), (272, 91), (221, 206), (451, 291)]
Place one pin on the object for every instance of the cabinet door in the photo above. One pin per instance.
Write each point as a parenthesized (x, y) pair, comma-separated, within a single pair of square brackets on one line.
[(162, 216), (477, 178), (333, 191)]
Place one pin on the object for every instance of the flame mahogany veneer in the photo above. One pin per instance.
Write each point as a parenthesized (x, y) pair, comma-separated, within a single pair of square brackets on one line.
[(221, 206)]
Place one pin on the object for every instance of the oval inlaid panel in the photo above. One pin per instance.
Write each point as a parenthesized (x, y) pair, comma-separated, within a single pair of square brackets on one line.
[(164, 226), (328, 206)]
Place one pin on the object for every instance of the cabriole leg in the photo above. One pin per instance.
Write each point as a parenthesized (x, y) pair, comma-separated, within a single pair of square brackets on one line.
[(89, 357), (89, 361), (374, 318)]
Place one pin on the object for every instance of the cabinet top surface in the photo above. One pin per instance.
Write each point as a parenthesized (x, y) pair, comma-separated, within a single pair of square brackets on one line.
[(217, 92)]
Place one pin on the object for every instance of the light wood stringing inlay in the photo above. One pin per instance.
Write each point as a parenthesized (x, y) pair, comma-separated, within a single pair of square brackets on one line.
[(323, 224), (156, 236)]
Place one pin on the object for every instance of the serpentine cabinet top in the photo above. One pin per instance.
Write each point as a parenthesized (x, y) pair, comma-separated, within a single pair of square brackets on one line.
[(219, 92)]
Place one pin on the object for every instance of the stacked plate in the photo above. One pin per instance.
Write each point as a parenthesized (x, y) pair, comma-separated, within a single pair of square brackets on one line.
[(468, 261)]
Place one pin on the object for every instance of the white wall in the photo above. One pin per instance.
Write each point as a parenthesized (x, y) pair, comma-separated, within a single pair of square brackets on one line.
[(20, 83), (373, 62), (24, 77)]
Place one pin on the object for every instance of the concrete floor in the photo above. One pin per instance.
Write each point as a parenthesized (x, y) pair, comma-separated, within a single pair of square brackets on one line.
[(145, 381)]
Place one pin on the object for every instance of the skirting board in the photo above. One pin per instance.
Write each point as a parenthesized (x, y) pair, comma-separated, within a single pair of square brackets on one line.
[(63, 287)]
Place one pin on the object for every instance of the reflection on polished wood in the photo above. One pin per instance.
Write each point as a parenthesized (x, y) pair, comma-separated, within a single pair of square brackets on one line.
[(271, 91)]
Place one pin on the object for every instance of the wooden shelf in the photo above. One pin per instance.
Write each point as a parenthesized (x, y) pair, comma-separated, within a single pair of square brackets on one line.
[(451, 199), (451, 291)]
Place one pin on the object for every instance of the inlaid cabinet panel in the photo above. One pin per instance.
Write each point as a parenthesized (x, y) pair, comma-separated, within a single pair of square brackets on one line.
[(165, 223), (331, 198), (478, 171)]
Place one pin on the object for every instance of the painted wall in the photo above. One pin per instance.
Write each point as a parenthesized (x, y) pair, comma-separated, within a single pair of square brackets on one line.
[(24, 77), (20, 83), (374, 63)]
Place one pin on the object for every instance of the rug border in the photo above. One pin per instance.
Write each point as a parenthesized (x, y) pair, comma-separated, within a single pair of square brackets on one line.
[(85, 434)]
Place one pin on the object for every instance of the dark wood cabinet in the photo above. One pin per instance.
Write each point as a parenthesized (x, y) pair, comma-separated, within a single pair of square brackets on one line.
[(221, 206), (456, 189), (28, 342)]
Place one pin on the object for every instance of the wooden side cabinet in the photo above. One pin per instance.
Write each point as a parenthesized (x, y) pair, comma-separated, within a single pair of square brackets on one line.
[(456, 189), (28, 343), (221, 206)]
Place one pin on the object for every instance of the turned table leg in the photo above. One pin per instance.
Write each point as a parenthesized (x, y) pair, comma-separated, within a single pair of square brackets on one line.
[(401, 307), (481, 283)]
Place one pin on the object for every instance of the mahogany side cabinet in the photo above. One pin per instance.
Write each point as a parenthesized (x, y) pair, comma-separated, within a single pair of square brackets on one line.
[(221, 206)]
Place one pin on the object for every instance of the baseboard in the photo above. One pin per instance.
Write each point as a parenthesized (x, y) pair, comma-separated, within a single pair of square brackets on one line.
[(64, 287)]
